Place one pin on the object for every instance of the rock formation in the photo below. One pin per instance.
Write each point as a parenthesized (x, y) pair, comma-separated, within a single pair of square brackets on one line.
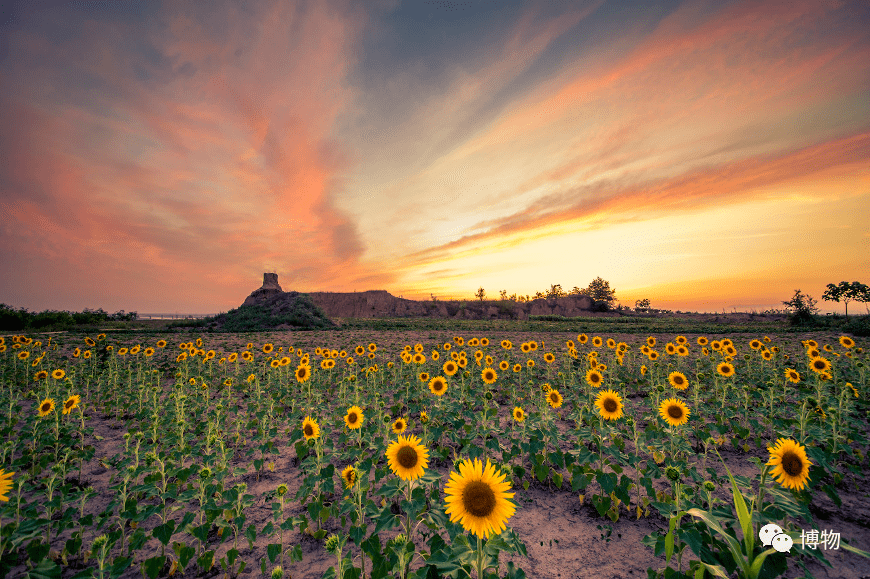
[(382, 304), (269, 288)]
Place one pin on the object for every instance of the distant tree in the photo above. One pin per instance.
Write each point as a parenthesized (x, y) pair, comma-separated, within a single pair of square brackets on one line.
[(513, 297), (481, 293), (599, 290), (801, 307), (576, 291), (847, 292), (503, 294), (555, 291), (538, 295), (434, 299), (642, 305)]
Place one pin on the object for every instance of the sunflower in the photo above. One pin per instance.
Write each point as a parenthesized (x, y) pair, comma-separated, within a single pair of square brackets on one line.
[(489, 376), (504, 365), (423, 376), (791, 467), (303, 373), (5, 484), (310, 428), (596, 341), (71, 403), (674, 411), (373, 348), (651, 342), (767, 354), (549, 358), (517, 368), (450, 367), (678, 380), (670, 348), (582, 338), (360, 350), (418, 358), (819, 365), (438, 385), (525, 347), (554, 398), (530, 363), (594, 378), (725, 369), (349, 476), (267, 348), (46, 407), (23, 355), (478, 498), (506, 344), (399, 426), (653, 355), (149, 351), (354, 417), (846, 341), (611, 343), (407, 457), (755, 344), (41, 375), (609, 404), (519, 414), (702, 341)]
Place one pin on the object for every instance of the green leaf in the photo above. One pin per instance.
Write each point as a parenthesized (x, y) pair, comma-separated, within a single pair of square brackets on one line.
[(205, 561), (119, 565), (184, 553), (46, 569), (273, 550), (153, 566), (164, 532)]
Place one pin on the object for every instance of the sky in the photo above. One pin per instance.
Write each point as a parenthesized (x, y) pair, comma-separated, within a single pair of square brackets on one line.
[(160, 156)]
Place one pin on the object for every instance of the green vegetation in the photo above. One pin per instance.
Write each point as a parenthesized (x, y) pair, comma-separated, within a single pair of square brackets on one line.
[(296, 311), (51, 320)]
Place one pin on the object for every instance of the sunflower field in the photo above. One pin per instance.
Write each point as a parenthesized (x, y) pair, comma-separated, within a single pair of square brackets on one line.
[(427, 454)]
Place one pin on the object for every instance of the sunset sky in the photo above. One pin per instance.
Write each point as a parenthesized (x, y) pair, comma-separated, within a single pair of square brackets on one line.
[(161, 156)]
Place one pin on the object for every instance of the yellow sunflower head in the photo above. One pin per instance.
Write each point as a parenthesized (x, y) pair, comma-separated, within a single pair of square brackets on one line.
[(792, 375), (349, 475), (594, 378), (791, 467), (609, 404), (310, 429), (674, 411), (438, 385), (46, 407), (354, 417), (450, 367), (399, 426), (407, 457), (725, 369), (489, 376), (678, 380), (71, 403), (519, 414), (477, 498), (847, 342), (554, 399)]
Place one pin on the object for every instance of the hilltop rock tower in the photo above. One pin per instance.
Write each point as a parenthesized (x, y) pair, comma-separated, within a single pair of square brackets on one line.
[(269, 288)]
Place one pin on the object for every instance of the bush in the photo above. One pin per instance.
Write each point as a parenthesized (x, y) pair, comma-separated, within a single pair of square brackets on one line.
[(858, 326)]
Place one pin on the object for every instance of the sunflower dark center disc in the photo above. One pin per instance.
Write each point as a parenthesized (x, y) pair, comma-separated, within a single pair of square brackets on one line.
[(45, 407), (675, 412), (478, 499), (678, 380), (594, 377), (308, 430), (792, 464), (352, 418), (610, 405), (407, 457)]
